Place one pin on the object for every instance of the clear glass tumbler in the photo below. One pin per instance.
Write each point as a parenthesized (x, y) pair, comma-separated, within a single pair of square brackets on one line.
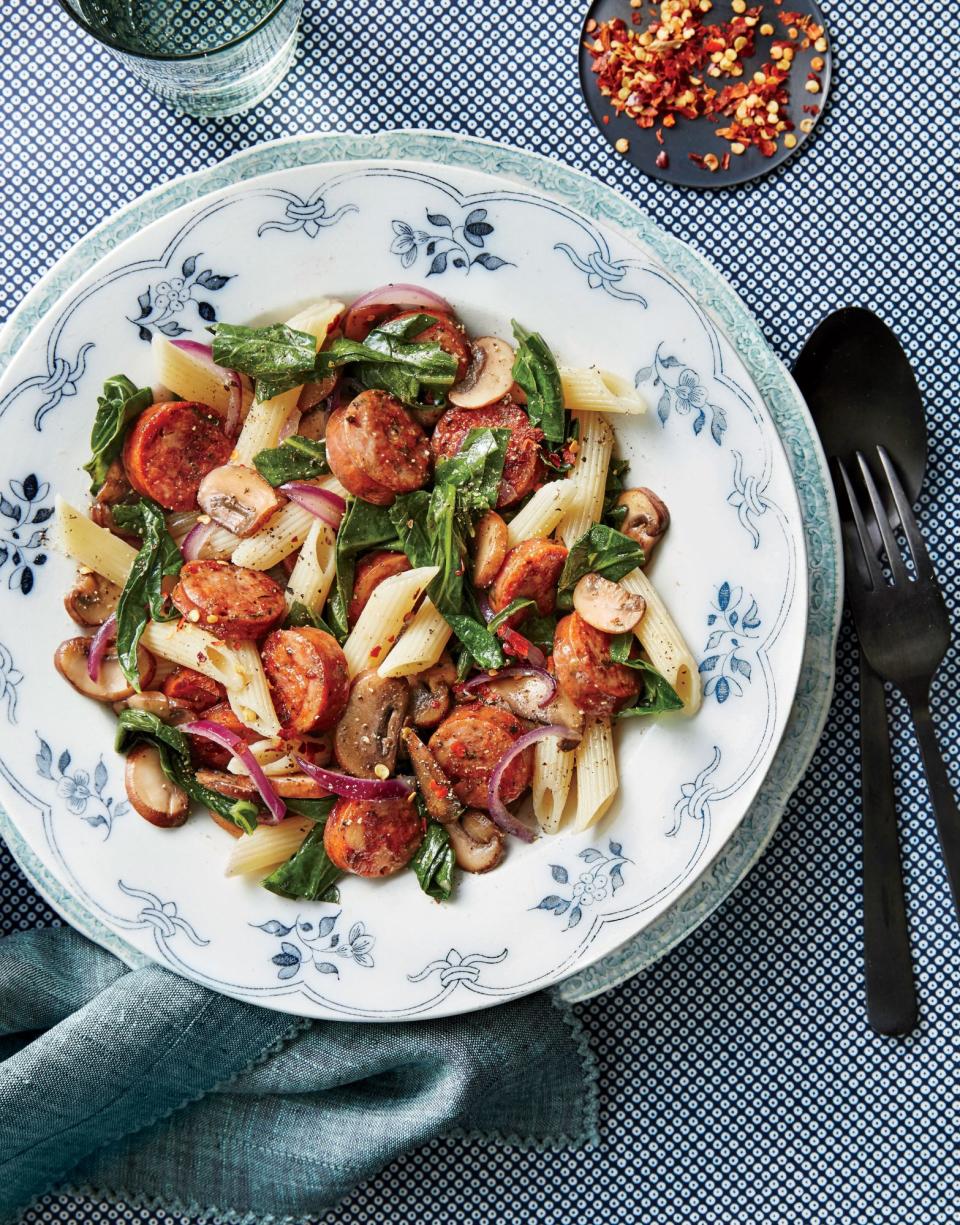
[(204, 57)]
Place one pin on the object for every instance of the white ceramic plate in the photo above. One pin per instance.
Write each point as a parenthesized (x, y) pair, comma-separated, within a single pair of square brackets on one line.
[(733, 569)]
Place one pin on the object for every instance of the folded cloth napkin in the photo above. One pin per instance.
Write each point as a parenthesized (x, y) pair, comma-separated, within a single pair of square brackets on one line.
[(144, 1087)]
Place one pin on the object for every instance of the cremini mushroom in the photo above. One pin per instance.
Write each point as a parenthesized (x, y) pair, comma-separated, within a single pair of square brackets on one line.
[(91, 599), (607, 606), (430, 693), (477, 843), (489, 548), (368, 734), (436, 789), (115, 487), (242, 786), (646, 520), (238, 498), (111, 685), (156, 702), (522, 695), (151, 793), (489, 376)]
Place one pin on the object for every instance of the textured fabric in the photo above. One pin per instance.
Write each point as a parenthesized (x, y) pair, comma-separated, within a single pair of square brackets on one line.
[(739, 1080), (145, 1081)]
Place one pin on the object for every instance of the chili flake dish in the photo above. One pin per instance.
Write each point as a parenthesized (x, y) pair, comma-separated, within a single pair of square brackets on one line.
[(359, 582)]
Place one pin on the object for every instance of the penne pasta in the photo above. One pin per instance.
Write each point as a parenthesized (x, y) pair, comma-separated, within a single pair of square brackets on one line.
[(193, 647), (270, 755), (267, 847), (381, 623), (589, 476), (250, 700), (283, 534), (664, 643), (312, 576), (552, 776), (93, 546), (421, 643), (597, 781), (542, 513), (589, 389), (187, 378), (266, 417)]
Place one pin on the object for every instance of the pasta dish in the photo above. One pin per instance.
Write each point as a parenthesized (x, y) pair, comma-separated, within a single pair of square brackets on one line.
[(369, 590)]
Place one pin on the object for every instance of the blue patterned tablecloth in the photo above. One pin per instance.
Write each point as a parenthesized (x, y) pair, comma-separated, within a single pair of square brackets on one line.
[(740, 1082)]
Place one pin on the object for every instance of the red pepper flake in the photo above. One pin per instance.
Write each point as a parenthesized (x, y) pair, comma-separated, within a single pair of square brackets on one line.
[(375, 651)]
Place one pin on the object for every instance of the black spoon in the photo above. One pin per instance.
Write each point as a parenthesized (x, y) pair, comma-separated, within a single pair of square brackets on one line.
[(861, 391)]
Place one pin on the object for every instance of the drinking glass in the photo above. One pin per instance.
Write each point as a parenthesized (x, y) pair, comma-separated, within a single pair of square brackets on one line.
[(204, 57)]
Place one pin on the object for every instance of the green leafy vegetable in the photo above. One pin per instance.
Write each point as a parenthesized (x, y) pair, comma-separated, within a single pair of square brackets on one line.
[(476, 469), (362, 528), (295, 459), (535, 370), (299, 615), (174, 749), (600, 550), (612, 514), (434, 862), (540, 631), (142, 593), (118, 405), (309, 873), (315, 810), (483, 648), (658, 695), (278, 357), (505, 614)]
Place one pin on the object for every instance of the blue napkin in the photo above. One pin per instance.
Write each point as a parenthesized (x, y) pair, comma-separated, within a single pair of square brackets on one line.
[(146, 1087)]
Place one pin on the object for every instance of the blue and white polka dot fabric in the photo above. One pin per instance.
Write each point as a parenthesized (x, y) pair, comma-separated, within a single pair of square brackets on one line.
[(740, 1082)]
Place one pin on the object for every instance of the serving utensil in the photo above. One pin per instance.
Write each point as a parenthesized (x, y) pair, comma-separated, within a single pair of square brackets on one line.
[(861, 390)]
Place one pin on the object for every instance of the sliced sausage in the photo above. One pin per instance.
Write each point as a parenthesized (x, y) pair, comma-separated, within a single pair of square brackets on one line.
[(171, 448), (373, 837), (585, 671), (469, 743), (376, 450), (447, 333), (370, 573), (523, 469), (307, 673), (205, 752), (196, 690), (529, 571), (229, 601)]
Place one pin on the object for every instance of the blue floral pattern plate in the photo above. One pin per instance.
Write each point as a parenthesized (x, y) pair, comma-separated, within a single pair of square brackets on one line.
[(749, 569)]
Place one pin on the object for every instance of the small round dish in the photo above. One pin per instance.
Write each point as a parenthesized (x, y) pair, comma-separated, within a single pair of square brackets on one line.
[(684, 146), (699, 799)]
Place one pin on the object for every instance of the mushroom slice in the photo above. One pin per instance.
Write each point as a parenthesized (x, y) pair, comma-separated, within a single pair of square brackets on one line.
[(242, 786), (489, 548), (646, 520), (368, 734), (238, 498), (477, 843), (115, 487), (437, 790), (92, 599), (111, 685), (430, 693), (489, 376), (156, 702), (151, 793), (607, 606), (522, 695)]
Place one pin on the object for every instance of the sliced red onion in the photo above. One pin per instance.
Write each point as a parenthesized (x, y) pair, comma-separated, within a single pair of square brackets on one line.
[(518, 670), (236, 384), (290, 425), (350, 788), (241, 750), (499, 813), (192, 544), (99, 645), (323, 503), (371, 307), (515, 644)]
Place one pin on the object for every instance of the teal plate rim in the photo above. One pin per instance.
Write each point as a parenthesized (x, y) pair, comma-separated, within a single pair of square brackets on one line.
[(716, 296)]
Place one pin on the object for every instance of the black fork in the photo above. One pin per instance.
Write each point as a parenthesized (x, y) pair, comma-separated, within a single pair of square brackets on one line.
[(904, 628)]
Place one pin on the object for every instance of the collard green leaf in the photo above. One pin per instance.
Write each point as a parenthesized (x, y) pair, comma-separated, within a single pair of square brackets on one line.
[(278, 357), (515, 606), (535, 371), (476, 469), (362, 528), (657, 694), (142, 595), (118, 405), (295, 459), (309, 873), (434, 862), (600, 550), (299, 615), (612, 514), (540, 631)]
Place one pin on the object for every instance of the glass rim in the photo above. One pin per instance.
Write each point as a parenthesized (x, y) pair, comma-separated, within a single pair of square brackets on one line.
[(116, 45)]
